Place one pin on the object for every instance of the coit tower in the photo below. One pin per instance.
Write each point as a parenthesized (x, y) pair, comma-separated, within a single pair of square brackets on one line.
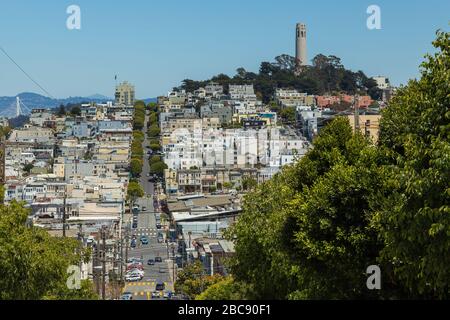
[(300, 45)]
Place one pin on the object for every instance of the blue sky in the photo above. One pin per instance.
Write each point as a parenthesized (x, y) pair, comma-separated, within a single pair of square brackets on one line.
[(156, 44)]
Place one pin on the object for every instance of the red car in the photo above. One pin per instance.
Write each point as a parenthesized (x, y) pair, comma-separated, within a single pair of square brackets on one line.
[(135, 266)]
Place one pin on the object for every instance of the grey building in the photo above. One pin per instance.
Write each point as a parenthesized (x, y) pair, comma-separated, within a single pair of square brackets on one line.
[(217, 110)]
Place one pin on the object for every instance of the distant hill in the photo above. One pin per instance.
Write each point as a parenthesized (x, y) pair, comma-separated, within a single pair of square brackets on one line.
[(148, 100), (34, 100)]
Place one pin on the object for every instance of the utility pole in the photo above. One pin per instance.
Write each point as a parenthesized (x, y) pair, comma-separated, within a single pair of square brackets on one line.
[(95, 264), (121, 258), (64, 215), (126, 244), (173, 265), (357, 126), (104, 263)]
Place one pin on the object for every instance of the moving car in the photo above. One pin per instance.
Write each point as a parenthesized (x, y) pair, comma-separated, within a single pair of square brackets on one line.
[(168, 295), (133, 243), (160, 286), (136, 272), (158, 259), (144, 240), (134, 267), (126, 296), (151, 262), (132, 278)]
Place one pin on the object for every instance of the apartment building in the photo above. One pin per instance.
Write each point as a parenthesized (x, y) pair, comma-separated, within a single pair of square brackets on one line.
[(125, 94), (369, 125), (293, 98), (242, 92)]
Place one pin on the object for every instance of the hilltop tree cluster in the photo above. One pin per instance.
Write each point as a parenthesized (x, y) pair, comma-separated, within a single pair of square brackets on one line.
[(325, 75)]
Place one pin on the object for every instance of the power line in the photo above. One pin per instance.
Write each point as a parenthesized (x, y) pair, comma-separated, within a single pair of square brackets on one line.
[(24, 72)]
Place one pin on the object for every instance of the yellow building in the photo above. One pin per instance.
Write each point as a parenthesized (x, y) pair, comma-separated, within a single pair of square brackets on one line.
[(369, 125)]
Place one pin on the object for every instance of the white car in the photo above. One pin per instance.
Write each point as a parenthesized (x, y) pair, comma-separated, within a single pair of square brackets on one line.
[(136, 272), (132, 278)]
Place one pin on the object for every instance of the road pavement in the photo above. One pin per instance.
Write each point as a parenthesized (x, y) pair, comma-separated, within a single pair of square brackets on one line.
[(146, 226)]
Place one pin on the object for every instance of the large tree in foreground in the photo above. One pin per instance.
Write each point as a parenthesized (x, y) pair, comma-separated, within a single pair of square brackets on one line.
[(34, 264), (306, 234), (414, 221)]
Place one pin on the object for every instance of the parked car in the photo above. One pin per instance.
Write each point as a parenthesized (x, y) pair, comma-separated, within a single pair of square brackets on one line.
[(158, 259), (135, 225), (158, 226), (133, 243), (151, 262), (144, 241), (168, 295), (156, 295)]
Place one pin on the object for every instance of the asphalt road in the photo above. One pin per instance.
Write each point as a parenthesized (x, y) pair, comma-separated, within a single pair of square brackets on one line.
[(159, 272)]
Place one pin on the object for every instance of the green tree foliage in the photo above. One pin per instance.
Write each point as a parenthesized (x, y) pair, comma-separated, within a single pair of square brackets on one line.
[(61, 111), (4, 132), (153, 107), (414, 219), (227, 185), (75, 111), (249, 183), (2, 194), (136, 167), (314, 241), (138, 136), (155, 146), (154, 131), (137, 151), (226, 289), (86, 292), (134, 190), (287, 115), (28, 167), (154, 159), (33, 263), (192, 280), (158, 168), (325, 75), (139, 115), (153, 119)]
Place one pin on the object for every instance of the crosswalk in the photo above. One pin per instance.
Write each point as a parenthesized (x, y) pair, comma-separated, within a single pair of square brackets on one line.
[(148, 294), (147, 232), (143, 284), (143, 289)]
